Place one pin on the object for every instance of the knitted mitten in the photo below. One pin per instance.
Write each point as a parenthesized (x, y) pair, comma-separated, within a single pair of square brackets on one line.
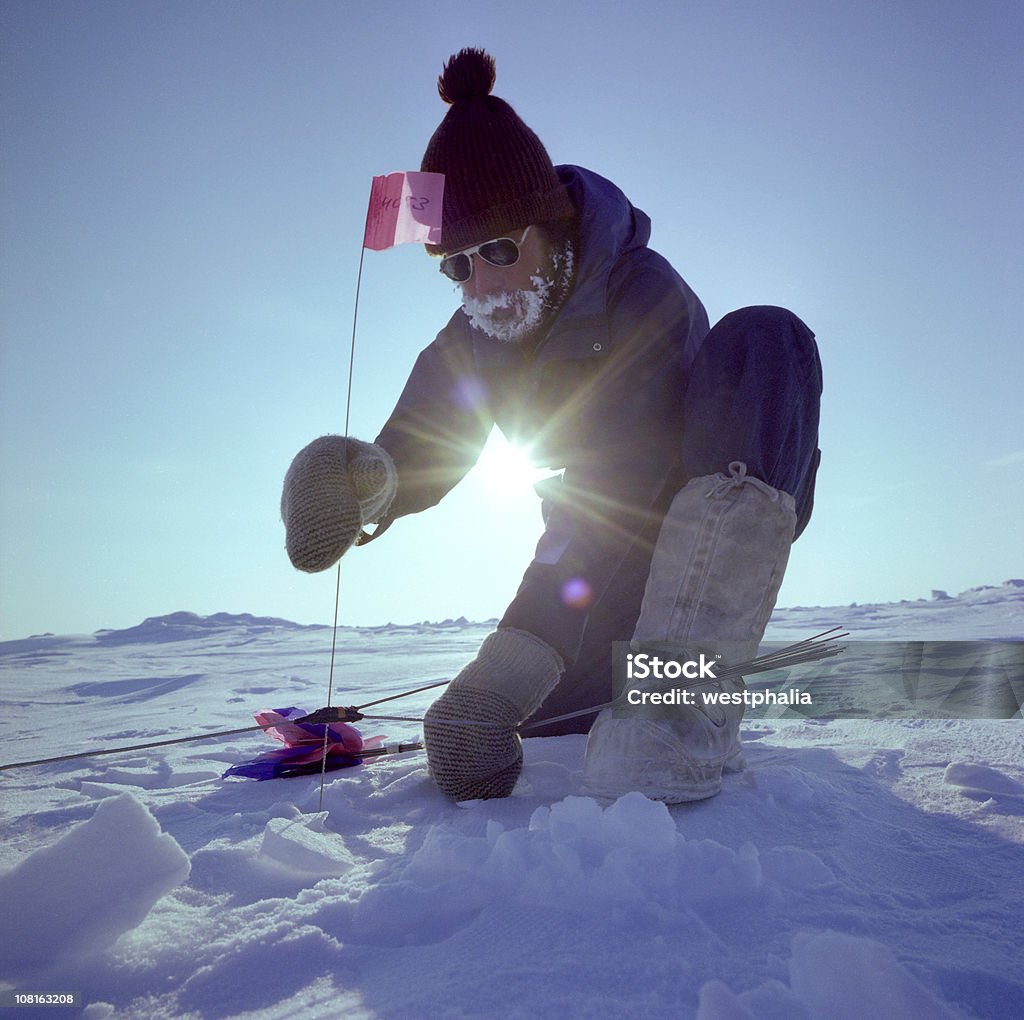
[(334, 487), (473, 749)]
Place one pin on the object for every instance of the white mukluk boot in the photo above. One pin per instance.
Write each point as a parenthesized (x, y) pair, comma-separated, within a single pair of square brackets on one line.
[(715, 575)]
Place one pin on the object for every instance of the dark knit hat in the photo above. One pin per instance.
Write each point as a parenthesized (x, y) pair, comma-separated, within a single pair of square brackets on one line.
[(498, 175)]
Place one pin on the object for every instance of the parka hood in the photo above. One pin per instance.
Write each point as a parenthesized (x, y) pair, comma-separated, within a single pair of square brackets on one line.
[(610, 226)]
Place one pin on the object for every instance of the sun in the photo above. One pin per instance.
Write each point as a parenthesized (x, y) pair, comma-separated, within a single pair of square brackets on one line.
[(505, 467)]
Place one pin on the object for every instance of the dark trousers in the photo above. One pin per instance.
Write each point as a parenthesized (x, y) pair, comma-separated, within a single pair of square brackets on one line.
[(754, 396)]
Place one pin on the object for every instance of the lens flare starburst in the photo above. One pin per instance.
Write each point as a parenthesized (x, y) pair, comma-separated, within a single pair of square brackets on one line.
[(507, 468)]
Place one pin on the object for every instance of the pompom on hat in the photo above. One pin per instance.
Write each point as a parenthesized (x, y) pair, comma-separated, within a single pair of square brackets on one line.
[(498, 175)]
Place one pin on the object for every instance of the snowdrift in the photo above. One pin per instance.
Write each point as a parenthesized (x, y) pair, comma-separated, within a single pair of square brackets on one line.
[(859, 867)]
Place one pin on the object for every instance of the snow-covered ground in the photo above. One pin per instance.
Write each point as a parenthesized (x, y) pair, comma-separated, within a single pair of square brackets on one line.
[(858, 868)]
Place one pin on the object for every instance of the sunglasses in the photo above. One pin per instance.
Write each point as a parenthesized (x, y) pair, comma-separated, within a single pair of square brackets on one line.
[(501, 252)]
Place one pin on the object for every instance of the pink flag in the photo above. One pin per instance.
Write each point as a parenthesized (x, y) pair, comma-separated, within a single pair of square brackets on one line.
[(405, 207)]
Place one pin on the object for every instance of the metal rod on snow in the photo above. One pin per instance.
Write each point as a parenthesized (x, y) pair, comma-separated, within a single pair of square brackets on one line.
[(405, 694), (401, 748), (134, 747)]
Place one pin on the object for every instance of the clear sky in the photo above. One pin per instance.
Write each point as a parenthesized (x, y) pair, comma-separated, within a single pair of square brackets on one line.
[(184, 186)]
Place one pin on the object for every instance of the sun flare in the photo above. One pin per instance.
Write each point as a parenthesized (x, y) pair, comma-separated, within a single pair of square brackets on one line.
[(507, 468)]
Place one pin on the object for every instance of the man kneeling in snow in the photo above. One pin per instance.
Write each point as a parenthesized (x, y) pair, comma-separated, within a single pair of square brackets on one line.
[(688, 459)]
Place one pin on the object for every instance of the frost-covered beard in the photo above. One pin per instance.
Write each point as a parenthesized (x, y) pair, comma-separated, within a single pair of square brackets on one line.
[(512, 316)]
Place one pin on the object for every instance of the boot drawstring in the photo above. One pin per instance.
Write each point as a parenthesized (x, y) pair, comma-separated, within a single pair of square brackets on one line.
[(739, 477)]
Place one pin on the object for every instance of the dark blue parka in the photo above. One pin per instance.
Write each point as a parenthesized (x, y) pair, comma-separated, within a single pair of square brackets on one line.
[(600, 395)]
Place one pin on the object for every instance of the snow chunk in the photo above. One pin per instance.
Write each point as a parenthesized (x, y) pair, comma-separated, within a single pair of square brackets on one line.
[(637, 823), (982, 778), (303, 845), (627, 858), (71, 899), (843, 976), (795, 868), (719, 1002)]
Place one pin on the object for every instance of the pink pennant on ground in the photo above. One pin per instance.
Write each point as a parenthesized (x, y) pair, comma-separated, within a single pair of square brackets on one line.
[(303, 750), (405, 208)]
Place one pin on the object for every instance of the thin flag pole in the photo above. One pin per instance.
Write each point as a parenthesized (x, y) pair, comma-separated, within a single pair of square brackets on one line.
[(337, 577), (390, 220)]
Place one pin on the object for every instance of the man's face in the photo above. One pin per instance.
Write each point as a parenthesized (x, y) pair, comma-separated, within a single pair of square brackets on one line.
[(509, 303)]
